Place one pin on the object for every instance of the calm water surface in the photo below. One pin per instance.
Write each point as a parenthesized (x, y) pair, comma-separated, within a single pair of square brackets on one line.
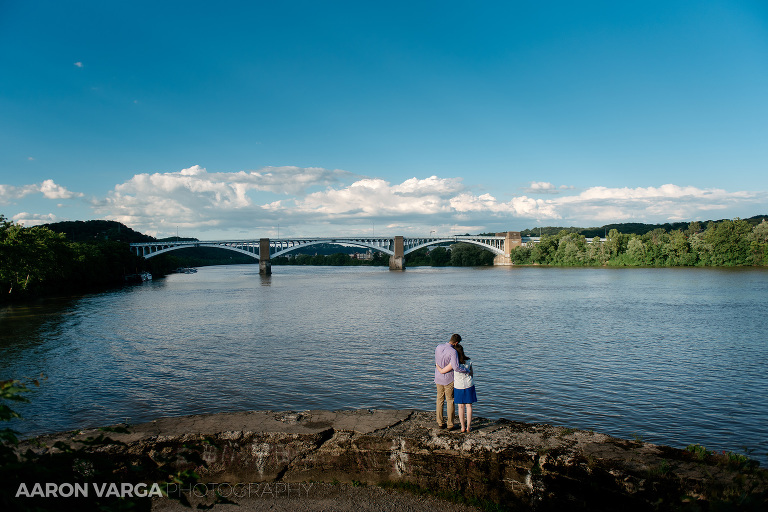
[(674, 356)]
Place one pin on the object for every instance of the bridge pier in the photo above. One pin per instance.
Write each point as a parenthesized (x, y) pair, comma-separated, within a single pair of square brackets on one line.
[(512, 239), (397, 260), (265, 265)]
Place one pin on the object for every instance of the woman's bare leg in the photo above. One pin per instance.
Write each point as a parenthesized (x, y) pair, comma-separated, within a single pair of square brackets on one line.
[(469, 418), (461, 417)]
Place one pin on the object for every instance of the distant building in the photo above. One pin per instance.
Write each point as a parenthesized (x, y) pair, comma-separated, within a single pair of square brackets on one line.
[(362, 255)]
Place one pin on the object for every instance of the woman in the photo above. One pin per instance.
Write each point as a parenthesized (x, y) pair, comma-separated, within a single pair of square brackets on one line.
[(463, 387)]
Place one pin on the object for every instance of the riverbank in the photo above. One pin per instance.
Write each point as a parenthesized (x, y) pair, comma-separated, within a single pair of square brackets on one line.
[(516, 465)]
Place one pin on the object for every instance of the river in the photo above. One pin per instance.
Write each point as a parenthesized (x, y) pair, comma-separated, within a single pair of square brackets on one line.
[(672, 356)]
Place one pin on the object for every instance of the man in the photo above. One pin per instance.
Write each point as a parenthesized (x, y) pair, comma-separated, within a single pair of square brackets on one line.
[(445, 354)]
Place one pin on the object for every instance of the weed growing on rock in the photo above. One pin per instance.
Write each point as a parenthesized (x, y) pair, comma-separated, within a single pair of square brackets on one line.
[(699, 451), (663, 469)]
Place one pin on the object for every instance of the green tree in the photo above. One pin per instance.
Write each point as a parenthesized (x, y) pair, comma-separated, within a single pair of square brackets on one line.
[(521, 255), (571, 249), (544, 251), (37, 260), (636, 250), (439, 257), (679, 251), (338, 259), (616, 243), (470, 255), (693, 228), (729, 242), (30, 256), (758, 244), (655, 242), (419, 257), (596, 253)]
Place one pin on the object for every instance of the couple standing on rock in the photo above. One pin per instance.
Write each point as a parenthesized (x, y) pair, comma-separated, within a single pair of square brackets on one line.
[(453, 377)]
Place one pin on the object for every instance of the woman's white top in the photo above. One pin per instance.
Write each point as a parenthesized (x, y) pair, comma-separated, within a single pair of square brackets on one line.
[(463, 380)]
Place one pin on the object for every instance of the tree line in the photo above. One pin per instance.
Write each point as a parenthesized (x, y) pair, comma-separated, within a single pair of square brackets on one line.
[(627, 228), (95, 254), (458, 255), (727, 243), (37, 261)]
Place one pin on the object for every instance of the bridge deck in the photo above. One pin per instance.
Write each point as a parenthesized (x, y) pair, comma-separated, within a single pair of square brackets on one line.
[(385, 244)]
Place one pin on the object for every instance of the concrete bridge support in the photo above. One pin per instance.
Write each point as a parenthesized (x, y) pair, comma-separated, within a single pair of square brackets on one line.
[(397, 260), (512, 239), (265, 265)]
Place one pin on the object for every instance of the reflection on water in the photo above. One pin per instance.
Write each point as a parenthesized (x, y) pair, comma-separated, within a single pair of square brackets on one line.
[(676, 356)]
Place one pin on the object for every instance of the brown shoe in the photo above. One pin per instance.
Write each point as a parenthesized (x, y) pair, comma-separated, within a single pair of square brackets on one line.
[(441, 426), (452, 427)]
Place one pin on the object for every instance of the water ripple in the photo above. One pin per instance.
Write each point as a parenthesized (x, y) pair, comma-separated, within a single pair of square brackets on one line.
[(674, 356)]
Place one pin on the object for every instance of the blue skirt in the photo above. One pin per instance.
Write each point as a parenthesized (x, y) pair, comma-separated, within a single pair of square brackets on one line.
[(464, 396)]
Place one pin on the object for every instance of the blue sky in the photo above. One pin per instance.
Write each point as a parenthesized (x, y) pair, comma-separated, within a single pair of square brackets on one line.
[(335, 117)]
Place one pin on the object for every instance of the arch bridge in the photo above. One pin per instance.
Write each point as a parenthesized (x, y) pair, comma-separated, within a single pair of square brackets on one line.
[(397, 247)]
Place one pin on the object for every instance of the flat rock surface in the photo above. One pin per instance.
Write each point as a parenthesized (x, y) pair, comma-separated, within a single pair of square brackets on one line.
[(342, 455), (363, 421)]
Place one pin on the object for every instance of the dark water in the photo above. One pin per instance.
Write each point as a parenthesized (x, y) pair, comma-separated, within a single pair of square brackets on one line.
[(674, 356)]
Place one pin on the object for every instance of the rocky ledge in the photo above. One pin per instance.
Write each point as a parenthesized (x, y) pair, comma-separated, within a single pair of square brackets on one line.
[(519, 466)]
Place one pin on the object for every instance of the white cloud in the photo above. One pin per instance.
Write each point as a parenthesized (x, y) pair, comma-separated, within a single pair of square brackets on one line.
[(78, 64), (315, 201), (53, 191), (196, 179), (651, 204), (200, 201), (9, 193), (196, 198), (517, 207), (375, 197), (34, 219), (541, 187), (49, 189), (432, 186)]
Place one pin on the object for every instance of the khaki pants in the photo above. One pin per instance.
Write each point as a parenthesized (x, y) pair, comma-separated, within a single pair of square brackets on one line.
[(445, 394)]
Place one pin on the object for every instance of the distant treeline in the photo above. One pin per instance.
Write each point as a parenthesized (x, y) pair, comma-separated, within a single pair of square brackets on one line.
[(98, 230), (628, 228), (71, 257), (458, 255), (336, 259), (726, 243), (39, 261)]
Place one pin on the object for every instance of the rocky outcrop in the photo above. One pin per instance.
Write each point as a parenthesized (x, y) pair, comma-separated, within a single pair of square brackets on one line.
[(518, 465)]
